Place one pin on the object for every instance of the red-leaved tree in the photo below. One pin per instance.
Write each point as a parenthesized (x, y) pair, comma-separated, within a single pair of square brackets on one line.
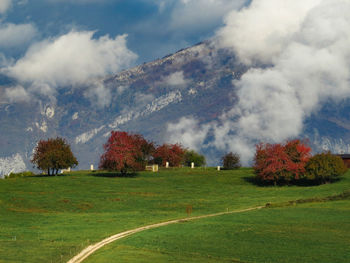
[(172, 153), (279, 163), (125, 152)]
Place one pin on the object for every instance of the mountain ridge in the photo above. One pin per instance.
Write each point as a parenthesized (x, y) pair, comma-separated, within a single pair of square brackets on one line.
[(196, 82)]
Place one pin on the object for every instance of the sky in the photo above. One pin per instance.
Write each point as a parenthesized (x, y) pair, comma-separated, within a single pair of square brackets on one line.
[(154, 28)]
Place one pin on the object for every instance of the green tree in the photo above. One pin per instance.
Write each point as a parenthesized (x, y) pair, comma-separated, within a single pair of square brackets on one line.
[(52, 155), (324, 167), (193, 157)]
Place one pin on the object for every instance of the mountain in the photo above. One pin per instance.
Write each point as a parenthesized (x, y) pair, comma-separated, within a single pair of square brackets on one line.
[(196, 82)]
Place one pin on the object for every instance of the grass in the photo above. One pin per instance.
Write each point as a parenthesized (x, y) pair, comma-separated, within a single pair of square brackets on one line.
[(316, 232), (50, 219)]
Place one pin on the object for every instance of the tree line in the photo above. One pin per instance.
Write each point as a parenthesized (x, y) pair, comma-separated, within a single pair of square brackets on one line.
[(123, 152), (288, 163)]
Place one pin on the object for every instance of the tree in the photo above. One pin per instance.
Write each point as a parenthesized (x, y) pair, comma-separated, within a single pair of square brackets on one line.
[(324, 167), (279, 163), (231, 161), (193, 157), (52, 155), (172, 153), (126, 152)]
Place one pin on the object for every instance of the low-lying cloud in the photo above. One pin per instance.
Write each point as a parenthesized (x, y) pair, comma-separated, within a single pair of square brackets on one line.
[(17, 94), (304, 52), (189, 132), (176, 79)]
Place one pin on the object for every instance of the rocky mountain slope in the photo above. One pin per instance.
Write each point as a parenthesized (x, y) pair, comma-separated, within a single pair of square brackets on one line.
[(196, 82)]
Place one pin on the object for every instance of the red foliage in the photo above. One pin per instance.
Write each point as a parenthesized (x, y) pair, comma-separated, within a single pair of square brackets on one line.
[(124, 151), (281, 163), (172, 153)]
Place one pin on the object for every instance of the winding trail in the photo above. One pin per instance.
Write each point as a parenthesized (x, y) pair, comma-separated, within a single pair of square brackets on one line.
[(92, 248)]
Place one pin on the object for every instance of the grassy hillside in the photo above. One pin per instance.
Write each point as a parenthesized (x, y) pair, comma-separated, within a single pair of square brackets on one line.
[(317, 232), (51, 219)]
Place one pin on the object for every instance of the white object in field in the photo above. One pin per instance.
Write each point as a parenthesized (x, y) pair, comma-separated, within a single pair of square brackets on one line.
[(65, 170), (218, 168), (91, 167), (167, 165), (192, 165)]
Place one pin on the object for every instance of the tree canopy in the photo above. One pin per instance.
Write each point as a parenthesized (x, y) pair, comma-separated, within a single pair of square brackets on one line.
[(51, 155), (126, 152), (281, 163)]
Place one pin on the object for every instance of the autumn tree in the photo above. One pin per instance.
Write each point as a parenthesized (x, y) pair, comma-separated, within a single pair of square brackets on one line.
[(126, 152), (52, 155), (281, 163), (172, 153)]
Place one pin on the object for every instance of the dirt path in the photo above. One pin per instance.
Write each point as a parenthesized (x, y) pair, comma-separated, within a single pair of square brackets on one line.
[(92, 248)]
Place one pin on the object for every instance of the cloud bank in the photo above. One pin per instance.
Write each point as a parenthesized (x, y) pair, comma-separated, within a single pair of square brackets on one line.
[(304, 52), (73, 59)]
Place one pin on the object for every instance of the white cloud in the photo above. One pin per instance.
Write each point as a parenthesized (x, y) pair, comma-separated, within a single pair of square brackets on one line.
[(175, 79), (12, 35), (98, 93), (72, 59), (188, 132), (4, 5), (262, 30), (308, 50), (17, 94)]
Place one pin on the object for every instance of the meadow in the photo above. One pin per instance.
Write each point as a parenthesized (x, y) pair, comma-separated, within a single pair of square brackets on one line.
[(50, 219)]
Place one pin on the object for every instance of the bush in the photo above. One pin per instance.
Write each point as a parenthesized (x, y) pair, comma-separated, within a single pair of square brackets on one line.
[(231, 161), (22, 174), (324, 167), (282, 164), (193, 157)]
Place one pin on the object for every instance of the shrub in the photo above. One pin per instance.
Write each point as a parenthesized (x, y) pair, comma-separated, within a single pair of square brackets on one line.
[(21, 174), (231, 161), (324, 167), (283, 164), (193, 157)]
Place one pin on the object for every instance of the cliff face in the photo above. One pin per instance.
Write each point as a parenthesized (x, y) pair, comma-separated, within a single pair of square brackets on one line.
[(196, 82)]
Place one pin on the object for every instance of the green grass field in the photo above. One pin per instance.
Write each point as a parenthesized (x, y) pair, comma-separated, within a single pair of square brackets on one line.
[(51, 219)]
